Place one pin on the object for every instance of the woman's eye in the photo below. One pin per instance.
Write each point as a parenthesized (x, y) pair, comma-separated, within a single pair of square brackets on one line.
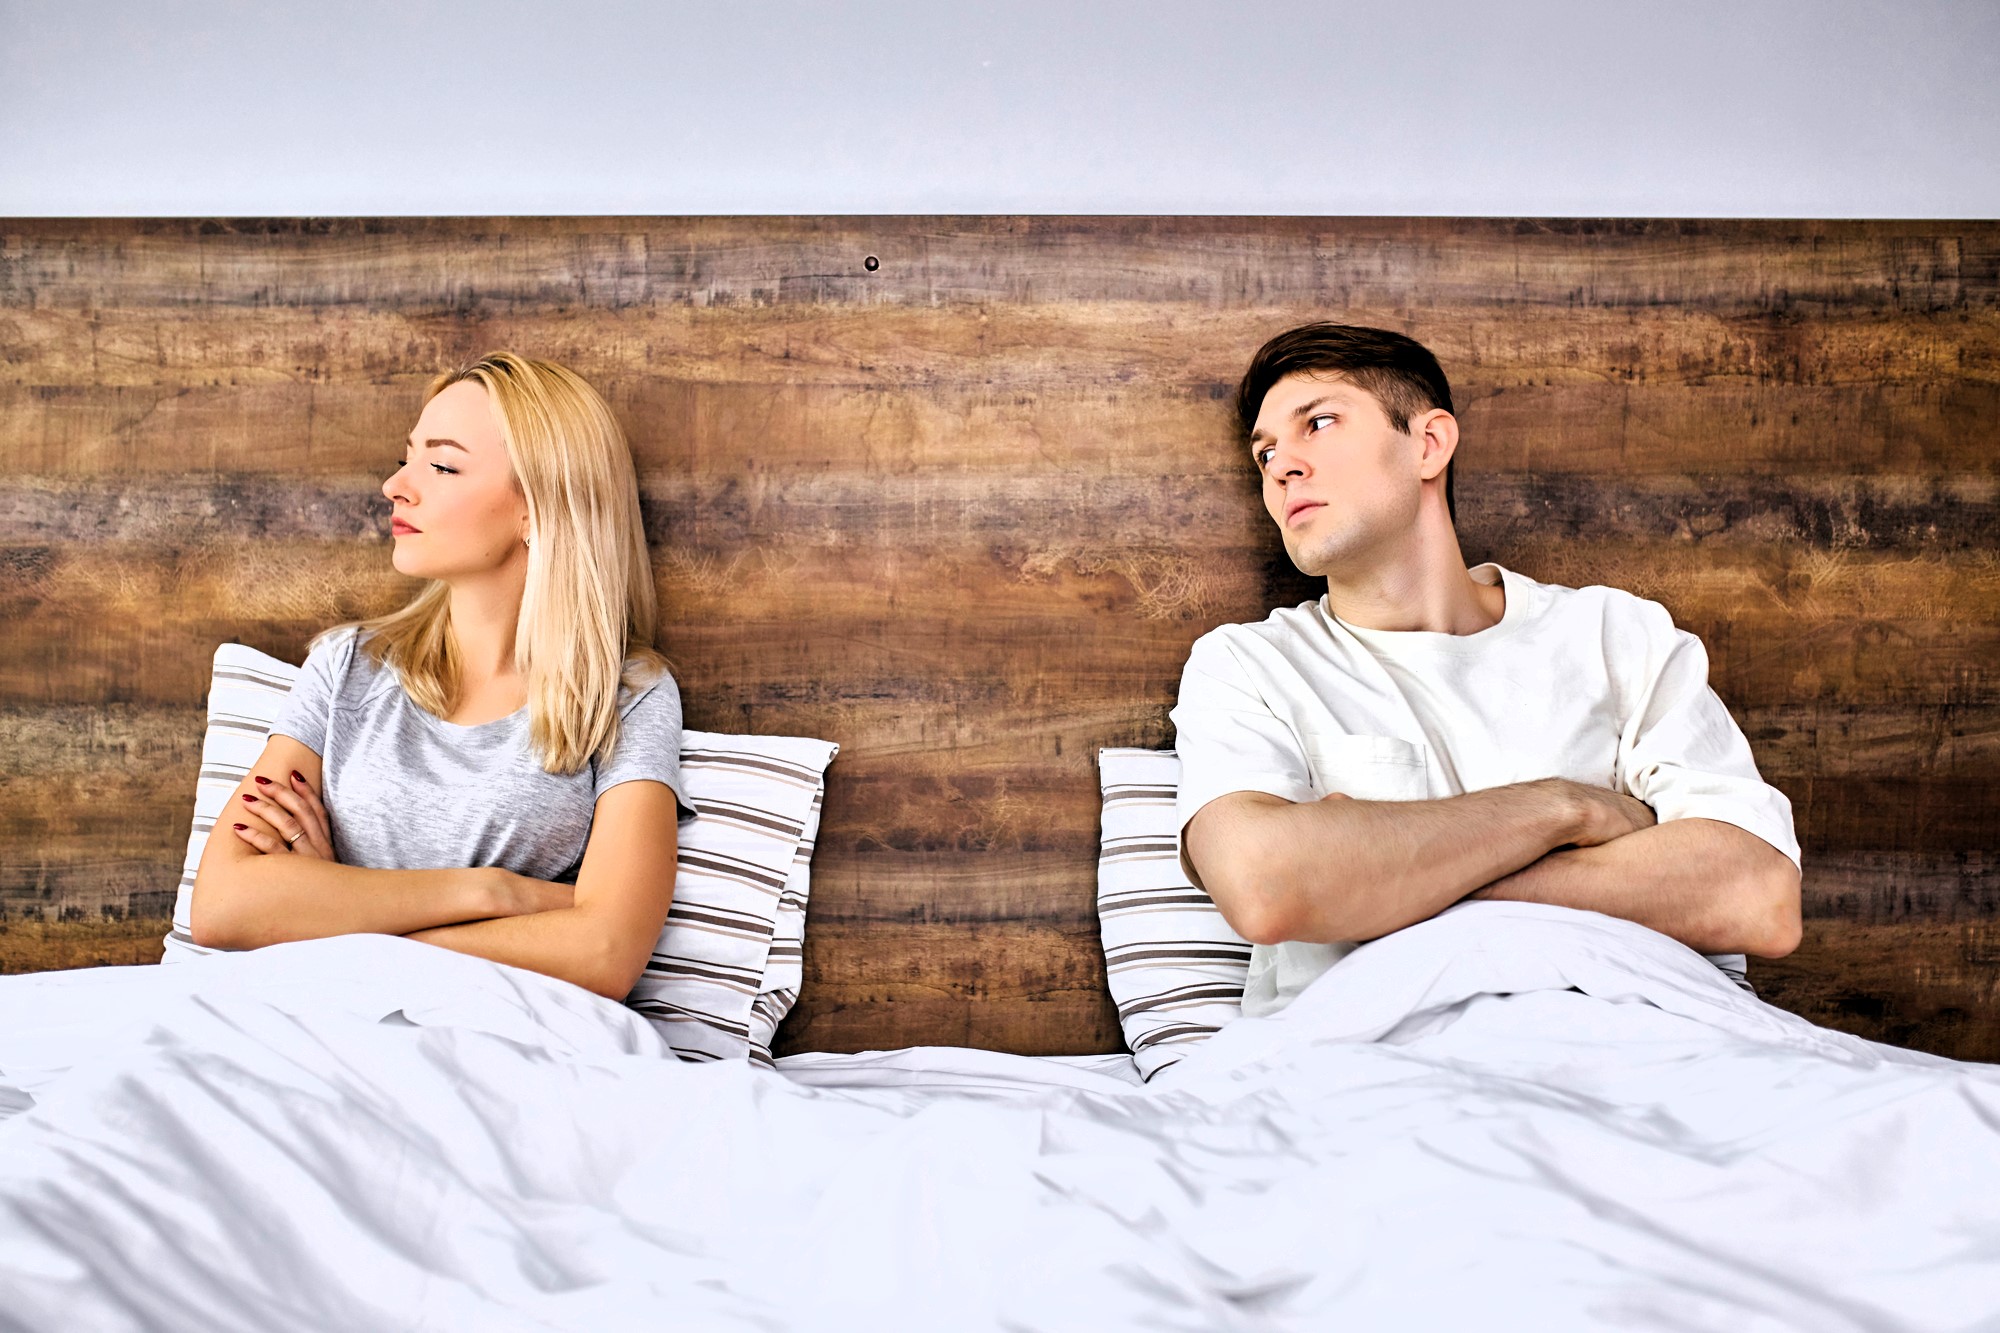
[(396, 465), (447, 471)]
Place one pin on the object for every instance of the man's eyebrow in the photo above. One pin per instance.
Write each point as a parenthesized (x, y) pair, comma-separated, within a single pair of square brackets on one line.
[(1258, 436)]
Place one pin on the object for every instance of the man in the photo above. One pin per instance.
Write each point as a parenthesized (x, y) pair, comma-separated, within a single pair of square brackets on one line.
[(1425, 733)]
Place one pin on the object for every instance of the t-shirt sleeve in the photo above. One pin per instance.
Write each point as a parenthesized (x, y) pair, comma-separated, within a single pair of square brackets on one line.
[(1228, 738), (649, 743), (306, 712), (1682, 754)]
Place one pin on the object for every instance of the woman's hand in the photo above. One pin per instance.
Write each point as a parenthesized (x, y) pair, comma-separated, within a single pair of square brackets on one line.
[(284, 817)]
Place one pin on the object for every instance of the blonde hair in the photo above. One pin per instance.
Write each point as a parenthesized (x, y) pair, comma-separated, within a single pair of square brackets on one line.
[(588, 613)]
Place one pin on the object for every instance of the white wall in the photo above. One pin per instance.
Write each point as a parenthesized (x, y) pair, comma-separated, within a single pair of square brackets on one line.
[(1544, 107)]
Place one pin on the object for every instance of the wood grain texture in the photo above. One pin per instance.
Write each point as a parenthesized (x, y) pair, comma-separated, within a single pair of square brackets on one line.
[(45, 946), (964, 514), (1926, 984)]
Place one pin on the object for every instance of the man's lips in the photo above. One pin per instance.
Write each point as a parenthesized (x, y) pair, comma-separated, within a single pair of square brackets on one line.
[(398, 528), (1297, 507)]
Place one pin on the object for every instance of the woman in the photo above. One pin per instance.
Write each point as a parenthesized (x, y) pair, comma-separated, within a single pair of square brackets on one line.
[(495, 768)]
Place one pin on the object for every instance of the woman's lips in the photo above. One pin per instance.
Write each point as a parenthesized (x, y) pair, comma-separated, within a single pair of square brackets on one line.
[(398, 528)]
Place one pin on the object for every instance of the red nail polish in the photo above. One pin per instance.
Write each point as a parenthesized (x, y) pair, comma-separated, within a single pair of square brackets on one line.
[(263, 781), (239, 827), (298, 777), (248, 797)]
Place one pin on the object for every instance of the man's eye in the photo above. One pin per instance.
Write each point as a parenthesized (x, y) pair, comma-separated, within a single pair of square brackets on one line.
[(1320, 422), (1263, 457)]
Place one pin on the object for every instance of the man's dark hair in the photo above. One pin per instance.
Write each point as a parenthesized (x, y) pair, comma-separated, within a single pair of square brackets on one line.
[(1400, 372)]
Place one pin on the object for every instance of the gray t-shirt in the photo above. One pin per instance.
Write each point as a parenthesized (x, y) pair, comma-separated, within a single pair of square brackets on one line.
[(406, 790)]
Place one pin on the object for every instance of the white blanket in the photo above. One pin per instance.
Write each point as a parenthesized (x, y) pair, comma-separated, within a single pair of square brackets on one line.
[(1509, 1117)]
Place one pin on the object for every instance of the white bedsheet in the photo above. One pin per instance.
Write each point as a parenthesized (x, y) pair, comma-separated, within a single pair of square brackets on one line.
[(1510, 1117)]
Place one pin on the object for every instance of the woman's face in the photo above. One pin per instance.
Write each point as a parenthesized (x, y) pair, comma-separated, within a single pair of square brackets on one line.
[(457, 510)]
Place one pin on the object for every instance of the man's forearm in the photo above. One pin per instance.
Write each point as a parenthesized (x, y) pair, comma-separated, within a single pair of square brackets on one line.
[(1710, 885), (274, 899), (1353, 870)]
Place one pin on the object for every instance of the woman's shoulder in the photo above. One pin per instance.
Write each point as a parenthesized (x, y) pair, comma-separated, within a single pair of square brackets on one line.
[(648, 687), (339, 657), (331, 652)]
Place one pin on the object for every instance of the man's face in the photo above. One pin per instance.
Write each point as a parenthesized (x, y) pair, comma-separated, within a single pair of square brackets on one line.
[(1338, 478)]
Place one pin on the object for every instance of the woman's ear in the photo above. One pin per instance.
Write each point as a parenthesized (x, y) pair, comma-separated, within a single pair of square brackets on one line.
[(1437, 432)]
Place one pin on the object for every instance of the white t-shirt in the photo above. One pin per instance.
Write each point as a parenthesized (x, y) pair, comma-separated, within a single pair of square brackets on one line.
[(1590, 684)]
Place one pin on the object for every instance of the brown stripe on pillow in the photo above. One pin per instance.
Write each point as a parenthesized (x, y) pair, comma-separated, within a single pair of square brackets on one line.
[(731, 868), (1140, 792), (1191, 950), (1145, 899), (1175, 1033), (1141, 847), (1184, 995), (752, 818), (795, 773)]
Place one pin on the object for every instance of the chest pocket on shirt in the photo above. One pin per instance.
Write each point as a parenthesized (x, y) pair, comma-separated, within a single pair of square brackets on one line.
[(1368, 768)]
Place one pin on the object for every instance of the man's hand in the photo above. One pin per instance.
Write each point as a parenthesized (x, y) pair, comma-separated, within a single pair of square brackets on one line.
[(1603, 815)]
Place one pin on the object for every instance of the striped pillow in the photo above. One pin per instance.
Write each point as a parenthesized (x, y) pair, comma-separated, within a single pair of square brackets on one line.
[(710, 983), (727, 965), (1175, 968)]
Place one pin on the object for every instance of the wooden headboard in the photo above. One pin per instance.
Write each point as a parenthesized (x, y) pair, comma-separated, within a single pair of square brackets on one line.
[(959, 492)]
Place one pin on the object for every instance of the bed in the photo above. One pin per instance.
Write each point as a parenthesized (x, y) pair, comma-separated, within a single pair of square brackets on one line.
[(1509, 1117), (957, 494)]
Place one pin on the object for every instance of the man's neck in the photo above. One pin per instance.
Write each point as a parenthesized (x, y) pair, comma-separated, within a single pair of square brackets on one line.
[(1419, 584)]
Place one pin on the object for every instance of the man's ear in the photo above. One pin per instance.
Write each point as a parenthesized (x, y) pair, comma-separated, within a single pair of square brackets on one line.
[(1437, 433)]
